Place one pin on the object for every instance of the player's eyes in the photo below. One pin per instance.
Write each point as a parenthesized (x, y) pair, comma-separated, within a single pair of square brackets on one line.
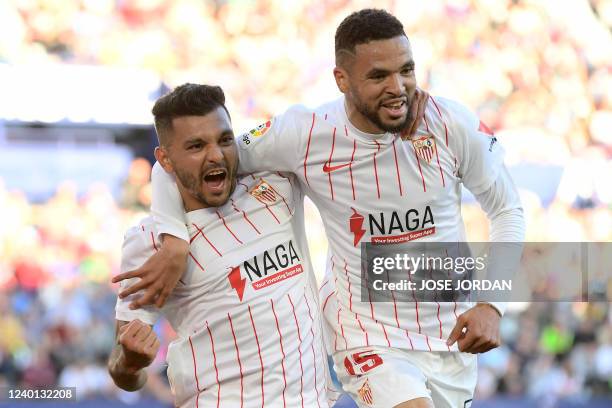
[(195, 146)]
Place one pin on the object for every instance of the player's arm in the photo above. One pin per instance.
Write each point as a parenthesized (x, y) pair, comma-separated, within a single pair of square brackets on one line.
[(161, 272), (482, 171), (136, 346)]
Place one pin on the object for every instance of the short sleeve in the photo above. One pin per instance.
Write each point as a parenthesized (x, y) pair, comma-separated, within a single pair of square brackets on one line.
[(167, 205), (278, 144), (137, 248)]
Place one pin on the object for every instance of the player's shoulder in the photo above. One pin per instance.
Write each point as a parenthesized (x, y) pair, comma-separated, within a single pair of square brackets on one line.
[(458, 116), (140, 233)]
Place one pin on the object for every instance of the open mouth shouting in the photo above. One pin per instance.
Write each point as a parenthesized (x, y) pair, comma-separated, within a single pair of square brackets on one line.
[(215, 180)]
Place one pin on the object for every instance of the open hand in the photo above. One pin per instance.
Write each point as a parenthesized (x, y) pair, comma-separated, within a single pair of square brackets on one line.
[(158, 275)]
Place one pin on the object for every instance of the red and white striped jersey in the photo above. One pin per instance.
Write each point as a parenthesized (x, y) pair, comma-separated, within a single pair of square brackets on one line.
[(246, 309), (379, 189)]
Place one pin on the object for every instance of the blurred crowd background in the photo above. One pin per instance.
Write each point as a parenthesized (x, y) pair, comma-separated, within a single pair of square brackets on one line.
[(538, 72)]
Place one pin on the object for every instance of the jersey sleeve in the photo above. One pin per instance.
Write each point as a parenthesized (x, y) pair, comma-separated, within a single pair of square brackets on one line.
[(277, 145), (480, 155), (137, 248), (167, 205)]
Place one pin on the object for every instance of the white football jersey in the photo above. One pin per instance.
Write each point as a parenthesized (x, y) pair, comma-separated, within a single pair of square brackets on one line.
[(375, 188), (246, 309)]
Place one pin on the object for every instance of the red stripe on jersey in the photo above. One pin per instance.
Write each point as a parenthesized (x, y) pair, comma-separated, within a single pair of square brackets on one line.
[(260, 359), (419, 163), (299, 349), (416, 303), (409, 339), (436, 300), (326, 299), (386, 336), (280, 339), (196, 261), (436, 151), (394, 303), (324, 283), (376, 169), (331, 153), (314, 357), (228, 228), (209, 243), (212, 345), (325, 117), (243, 185), (285, 201), (367, 339), (308, 148), (351, 167), (238, 358), (439, 113), (245, 217), (272, 213), (153, 241), (342, 331), (439, 165), (427, 339), (349, 286), (195, 373), (399, 180)]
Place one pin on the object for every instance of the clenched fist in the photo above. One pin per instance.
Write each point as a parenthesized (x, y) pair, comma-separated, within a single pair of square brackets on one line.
[(139, 345)]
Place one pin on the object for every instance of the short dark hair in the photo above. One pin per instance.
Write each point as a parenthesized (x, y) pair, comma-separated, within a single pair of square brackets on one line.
[(364, 26), (185, 100)]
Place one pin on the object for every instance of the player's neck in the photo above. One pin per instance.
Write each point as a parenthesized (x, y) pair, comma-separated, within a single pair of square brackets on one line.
[(359, 121)]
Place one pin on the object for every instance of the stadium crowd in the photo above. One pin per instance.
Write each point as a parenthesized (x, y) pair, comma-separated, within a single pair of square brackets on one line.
[(537, 72)]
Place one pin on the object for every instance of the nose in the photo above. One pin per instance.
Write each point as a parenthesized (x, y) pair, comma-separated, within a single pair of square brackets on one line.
[(214, 154), (395, 85)]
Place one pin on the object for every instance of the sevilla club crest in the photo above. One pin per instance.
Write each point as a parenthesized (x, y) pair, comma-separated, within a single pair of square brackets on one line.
[(264, 192), (425, 148), (365, 393)]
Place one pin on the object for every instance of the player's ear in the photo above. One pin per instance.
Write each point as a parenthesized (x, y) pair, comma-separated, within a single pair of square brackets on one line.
[(341, 77), (161, 155)]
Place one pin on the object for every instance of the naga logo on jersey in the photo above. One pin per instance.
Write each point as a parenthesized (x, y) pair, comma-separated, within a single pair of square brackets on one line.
[(394, 227), (356, 226), (264, 192), (365, 393), (272, 266), (425, 148)]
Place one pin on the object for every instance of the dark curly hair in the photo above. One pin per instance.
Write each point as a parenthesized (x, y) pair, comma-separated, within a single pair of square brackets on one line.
[(185, 100), (364, 26)]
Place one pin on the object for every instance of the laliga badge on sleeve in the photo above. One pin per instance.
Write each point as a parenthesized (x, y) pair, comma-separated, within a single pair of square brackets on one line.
[(425, 147)]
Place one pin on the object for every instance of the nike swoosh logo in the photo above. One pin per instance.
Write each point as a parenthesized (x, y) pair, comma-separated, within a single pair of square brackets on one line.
[(328, 169)]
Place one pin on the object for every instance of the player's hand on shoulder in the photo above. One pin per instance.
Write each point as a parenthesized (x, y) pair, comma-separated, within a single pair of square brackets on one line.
[(158, 275), (139, 344), (481, 334), (416, 113)]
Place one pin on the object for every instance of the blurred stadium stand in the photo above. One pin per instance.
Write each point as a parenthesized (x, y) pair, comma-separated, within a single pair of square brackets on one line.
[(77, 82)]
